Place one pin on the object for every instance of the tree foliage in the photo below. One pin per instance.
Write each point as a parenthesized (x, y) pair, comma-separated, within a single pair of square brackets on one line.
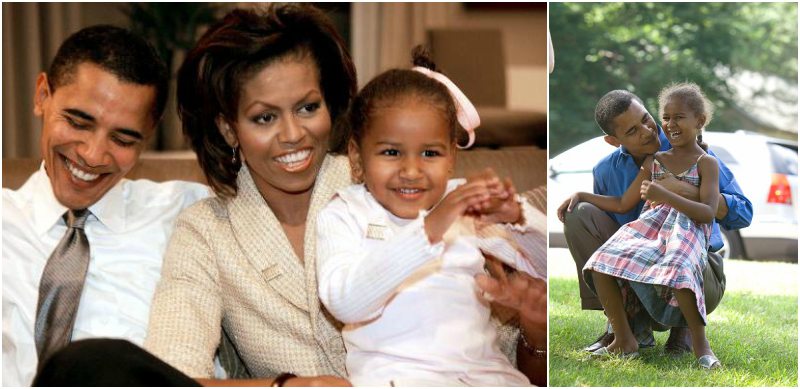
[(643, 47)]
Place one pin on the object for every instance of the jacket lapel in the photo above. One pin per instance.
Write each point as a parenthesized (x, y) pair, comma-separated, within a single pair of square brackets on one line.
[(266, 246), (334, 175)]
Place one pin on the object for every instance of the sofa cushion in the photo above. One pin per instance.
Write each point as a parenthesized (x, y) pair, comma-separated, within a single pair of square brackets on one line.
[(525, 165)]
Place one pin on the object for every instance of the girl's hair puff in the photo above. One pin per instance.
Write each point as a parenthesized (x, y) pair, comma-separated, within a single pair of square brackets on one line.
[(691, 94), (395, 84)]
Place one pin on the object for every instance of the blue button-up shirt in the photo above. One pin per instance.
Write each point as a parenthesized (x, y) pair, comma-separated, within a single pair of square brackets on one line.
[(614, 174)]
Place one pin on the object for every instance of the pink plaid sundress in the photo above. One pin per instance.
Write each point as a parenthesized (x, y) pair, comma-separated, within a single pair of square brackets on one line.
[(660, 251)]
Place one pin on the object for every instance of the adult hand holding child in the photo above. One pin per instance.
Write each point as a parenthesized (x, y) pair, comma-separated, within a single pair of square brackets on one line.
[(528, 296), (516, 290), (519, 291)]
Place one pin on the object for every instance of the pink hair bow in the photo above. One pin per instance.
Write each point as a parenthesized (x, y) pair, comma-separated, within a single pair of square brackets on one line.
[(465, 112)]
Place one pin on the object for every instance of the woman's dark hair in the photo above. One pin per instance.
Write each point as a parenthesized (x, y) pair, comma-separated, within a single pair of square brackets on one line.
[(691, 94), (241, 44), (117, 51), (385, 89)]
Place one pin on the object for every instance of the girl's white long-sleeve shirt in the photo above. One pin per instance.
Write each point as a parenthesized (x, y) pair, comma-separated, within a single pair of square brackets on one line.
[(413, 314)]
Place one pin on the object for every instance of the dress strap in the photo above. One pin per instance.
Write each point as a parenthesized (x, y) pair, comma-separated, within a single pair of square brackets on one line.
[(656, 161), (699, 158)]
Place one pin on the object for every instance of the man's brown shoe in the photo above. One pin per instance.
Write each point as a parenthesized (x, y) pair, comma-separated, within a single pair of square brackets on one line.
[(679, 341)]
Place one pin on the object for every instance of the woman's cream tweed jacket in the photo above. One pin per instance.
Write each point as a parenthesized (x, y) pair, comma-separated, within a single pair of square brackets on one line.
[(230, 265)]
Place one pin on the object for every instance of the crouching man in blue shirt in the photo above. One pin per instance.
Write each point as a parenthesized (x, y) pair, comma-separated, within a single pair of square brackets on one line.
[(630, 128)]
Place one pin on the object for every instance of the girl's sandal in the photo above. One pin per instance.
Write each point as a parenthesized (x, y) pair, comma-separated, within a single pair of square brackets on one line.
[(709, 362), (603, 353)]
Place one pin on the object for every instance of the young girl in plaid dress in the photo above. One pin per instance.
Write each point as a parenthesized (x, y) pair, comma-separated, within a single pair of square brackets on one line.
[(656, 262)]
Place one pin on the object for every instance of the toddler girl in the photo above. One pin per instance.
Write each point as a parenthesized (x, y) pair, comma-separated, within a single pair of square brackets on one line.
[(398, 254), (662, 254)]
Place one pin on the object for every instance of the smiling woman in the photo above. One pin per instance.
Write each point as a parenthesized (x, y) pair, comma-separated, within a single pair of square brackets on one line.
[(258, 96), (282, 127)]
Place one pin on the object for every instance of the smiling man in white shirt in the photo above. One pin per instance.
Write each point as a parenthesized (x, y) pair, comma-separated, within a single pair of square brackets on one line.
[(99, 102)]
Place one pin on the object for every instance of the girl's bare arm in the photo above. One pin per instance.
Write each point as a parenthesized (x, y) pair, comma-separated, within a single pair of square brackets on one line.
[(691, 192), (629, 199), (702, 211)]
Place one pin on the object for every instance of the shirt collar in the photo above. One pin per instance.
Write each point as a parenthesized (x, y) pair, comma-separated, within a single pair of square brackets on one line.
[(624, 151), (47, 211), (110, 210)]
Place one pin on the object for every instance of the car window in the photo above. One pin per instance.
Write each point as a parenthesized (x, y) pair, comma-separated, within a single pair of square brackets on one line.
[(582, 157), (784, 159)]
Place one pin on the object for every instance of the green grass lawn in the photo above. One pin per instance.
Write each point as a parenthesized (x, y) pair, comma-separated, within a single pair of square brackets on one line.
[(753, 332)]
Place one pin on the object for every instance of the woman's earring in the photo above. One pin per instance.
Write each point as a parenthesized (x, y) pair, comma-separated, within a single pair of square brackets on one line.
[(235, 151)]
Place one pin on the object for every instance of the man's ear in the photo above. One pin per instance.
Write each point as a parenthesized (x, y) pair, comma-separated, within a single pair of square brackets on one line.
[(41, 94), (356, 167), (612, 140), (227, 131)]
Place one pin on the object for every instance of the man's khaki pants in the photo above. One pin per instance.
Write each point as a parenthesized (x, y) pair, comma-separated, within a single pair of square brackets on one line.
[(587, 227)]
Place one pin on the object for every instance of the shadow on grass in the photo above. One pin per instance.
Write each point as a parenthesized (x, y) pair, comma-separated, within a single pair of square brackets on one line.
[(754, 336)]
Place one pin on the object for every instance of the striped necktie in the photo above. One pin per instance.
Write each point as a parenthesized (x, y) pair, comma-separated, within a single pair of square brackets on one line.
[(60, 287)]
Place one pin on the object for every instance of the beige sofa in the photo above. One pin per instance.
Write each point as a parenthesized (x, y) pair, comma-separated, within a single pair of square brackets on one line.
[(526, 165)]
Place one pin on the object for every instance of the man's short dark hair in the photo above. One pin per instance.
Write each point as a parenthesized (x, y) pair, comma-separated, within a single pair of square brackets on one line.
[(117, 51), (611, 105)]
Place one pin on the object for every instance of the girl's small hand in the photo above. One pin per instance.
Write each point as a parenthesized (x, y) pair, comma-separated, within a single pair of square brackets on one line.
[(644, 189), (455, 204), (653, 192), (505, 208), (497, 191), (669, 182)]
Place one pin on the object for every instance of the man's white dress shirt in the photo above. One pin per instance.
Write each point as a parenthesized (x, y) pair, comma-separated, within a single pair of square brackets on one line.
[(128, 231), (413, 313)]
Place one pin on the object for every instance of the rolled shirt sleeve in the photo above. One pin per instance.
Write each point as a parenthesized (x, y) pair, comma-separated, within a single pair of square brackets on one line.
[(740, 209)]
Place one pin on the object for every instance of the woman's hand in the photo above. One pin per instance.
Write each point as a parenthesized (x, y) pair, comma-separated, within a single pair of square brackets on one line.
[(528, 296), (518, 291)]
